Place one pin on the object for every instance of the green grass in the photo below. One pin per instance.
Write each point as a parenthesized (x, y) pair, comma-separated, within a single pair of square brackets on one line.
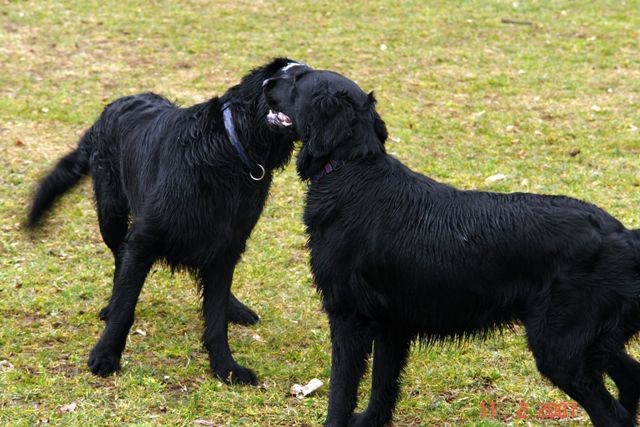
[(464, 97)]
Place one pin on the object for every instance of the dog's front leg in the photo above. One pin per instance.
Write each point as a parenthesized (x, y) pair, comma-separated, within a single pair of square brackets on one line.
[(389, 357), (216, 288), (351, 341)]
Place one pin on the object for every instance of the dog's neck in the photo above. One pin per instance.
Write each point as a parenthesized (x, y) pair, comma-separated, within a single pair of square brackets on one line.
[(256, 146), (256, 170)]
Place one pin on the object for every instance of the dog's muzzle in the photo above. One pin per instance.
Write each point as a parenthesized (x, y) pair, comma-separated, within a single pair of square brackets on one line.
[(277, 118)]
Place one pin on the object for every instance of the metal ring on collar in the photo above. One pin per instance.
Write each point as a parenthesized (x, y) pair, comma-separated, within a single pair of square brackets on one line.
[(258, 178)]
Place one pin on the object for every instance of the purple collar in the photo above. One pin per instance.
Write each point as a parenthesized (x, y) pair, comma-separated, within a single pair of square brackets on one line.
[(331, 166)]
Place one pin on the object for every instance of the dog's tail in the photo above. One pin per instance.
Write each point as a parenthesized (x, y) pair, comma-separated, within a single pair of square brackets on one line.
[(65, 175)]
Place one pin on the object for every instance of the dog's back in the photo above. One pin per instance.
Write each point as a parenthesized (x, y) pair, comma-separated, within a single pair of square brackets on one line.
[(127, 143), (100, 149), (450, 262)]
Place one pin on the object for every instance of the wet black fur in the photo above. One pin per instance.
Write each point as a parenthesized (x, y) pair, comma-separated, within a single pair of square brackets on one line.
[(170, 186), (398, 256)]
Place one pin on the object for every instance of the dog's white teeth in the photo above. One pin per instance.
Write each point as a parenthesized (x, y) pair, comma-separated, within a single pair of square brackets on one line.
[(279, 118), (284, 119)]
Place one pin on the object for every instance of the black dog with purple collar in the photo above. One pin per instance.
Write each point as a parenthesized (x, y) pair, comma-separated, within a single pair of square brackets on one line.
[(398, 256)]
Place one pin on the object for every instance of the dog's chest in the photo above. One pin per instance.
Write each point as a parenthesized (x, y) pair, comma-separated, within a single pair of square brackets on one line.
[(220, 212)]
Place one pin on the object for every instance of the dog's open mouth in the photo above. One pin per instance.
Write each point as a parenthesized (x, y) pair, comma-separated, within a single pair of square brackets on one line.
[(277, 118)]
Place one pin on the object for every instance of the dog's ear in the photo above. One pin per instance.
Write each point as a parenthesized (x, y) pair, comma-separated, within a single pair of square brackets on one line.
[(378, 124), (333, 124), (337, 128)]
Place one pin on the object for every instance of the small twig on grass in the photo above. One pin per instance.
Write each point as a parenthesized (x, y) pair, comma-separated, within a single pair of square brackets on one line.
[(515, 22)]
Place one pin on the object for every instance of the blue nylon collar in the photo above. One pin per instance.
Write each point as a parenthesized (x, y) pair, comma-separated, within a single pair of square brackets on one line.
[(233, 138)]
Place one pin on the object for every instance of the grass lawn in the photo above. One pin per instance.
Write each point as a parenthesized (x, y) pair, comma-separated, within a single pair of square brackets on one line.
[(552, 104)]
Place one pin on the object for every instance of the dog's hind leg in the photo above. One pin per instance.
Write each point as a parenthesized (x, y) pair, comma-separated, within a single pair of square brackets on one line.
[(563, 358), (351, 341), (389, 357), (137, 258), (216, 289), (113, 217), (240, 314), (625, 372), (586, 386)]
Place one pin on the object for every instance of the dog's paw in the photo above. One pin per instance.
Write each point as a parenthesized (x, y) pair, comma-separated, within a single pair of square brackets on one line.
[(103, 362), (365, 419), (242, 315), (104, 313), (237, 375)]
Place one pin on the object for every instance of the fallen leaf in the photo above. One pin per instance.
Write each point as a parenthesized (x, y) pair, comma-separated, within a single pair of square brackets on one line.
[(596, 108), (6, 365), (140, 332), (478, 114), (495, 178), (574, 152), (20, 143), (68, 408)]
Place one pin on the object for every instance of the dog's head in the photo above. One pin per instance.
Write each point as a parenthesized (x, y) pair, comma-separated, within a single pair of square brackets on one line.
[(248, 94), (248, 101), (251, 84), (330, 114)]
